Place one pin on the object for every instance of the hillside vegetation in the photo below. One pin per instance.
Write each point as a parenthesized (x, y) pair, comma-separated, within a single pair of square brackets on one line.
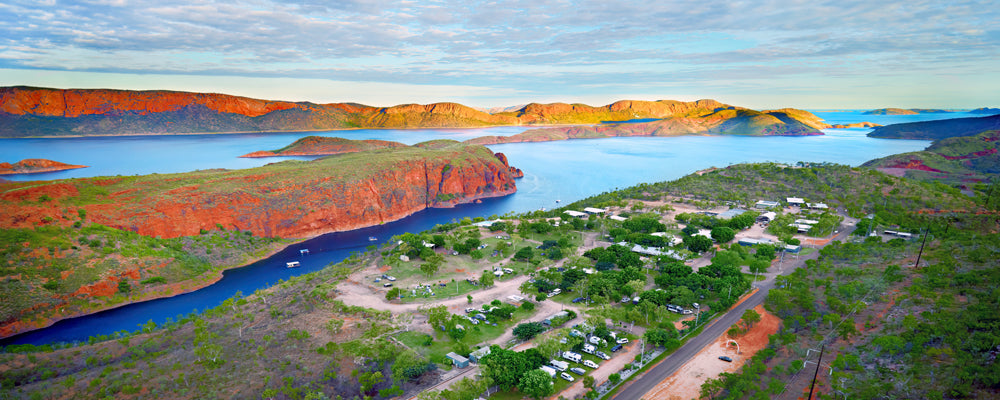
[(957, 161)]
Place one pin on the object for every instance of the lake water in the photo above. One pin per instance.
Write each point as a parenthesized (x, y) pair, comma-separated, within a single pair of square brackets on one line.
[(565, 170)]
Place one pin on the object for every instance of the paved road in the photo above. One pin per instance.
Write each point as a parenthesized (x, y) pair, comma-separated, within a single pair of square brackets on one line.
[(643, 384)]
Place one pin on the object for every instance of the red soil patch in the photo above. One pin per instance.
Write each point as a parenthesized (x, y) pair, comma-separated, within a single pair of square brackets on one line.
[(686, 382), (106, 287), (54, 191), (973, 155)]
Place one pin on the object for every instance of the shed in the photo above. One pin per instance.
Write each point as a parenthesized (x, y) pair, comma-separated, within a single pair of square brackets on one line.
[(768, 216), (795, 201), (618, 218), (765, 204), (487, 223), (457, 360), (477, 355), (575, 214), (817, 206), (754, 241), (793, 248), (592, 210)]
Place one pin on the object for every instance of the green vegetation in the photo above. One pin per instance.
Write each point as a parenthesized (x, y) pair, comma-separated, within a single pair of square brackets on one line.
[(955, 161), (77, 258)]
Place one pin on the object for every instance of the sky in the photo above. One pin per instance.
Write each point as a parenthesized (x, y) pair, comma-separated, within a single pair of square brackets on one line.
[(811, 54)]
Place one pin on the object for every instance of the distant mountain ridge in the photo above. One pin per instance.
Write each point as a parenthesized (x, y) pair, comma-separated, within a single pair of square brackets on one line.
[(29, 111), (905, 111), (938, 129)]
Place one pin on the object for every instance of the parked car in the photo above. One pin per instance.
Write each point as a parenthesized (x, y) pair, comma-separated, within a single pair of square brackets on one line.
[(387, 284), (602, 355), (391, 278), (566, 376), (578, 299), (725, 358), (616, 348), (595, 340), (589, 363), (470, 310), (577, 370), (377, 280)]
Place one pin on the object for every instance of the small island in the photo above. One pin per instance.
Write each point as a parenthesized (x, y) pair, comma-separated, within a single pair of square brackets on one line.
[(35, 166), (325, 146), (904, 111)]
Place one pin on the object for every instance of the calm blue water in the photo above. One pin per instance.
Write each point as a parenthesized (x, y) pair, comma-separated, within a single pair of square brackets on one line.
[(566, 170)]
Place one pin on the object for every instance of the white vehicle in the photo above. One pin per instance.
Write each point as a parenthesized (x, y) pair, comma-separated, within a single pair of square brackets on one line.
[(622, 341), (559, 365), (603, 355), (549, 370), (589, 348), (508, 271), (614, 336), (589, 364), (574, 357), (566, 376), (596, 340), (391, 278)]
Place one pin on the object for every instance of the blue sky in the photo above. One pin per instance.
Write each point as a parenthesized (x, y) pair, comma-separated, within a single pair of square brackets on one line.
[(760, 54)]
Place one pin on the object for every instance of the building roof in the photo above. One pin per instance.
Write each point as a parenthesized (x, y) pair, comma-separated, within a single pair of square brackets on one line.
[(806, 221), (618, 218), (770, 216), (731, 213), (652, 251), (575, 213), (487, 224), (795, 200), (592, 210), (753, 241), (456, 357), (766, 203), (817, 205)]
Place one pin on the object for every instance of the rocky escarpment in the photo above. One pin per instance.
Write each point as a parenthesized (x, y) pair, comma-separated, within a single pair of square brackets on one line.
[(726, 121), (34, 166), (939, 129), (29, 111), (865, 124), (286, 199)]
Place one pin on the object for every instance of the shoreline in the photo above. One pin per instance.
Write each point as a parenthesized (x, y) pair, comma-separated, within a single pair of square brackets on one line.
[(287, 131), (187, 286)]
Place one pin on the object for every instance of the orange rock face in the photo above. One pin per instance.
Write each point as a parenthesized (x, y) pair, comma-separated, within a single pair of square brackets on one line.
[(79, 102), (277, 200)]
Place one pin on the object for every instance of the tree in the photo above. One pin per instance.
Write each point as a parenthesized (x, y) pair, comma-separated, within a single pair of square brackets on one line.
[(465, 389), (429, 269), (438, 316), (469, 298), (505, 367), (528, 330), (368, 380), (524, 253), (723, 234), (698, 243), (750, 317), (536, 384), (635, 286), (588, 382), (486, 279), (614, 378), (393, 293), (408, 365)]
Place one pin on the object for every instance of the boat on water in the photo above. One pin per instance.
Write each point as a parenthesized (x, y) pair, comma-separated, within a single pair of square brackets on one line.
[(557, 200), (292, 264), (372, 238), (304, 251)]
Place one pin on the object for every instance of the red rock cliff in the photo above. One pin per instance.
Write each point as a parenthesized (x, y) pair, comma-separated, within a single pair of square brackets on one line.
[(77, 102), (289, 199)]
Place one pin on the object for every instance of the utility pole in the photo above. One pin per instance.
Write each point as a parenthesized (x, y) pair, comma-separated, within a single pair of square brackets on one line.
[(917, 264), (815, 374)]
